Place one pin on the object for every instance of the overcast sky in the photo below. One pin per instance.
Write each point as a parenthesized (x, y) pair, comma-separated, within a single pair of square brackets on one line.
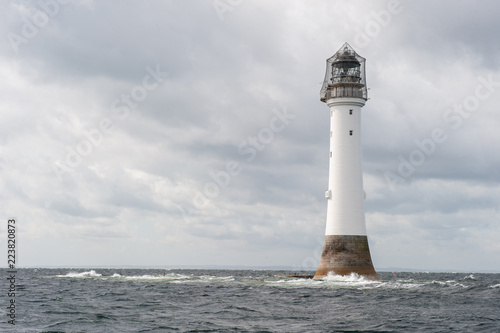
[(163, 133)]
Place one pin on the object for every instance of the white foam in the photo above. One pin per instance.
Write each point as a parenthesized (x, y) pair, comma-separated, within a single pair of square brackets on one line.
[(90, 273), (202, 278), (353, 277), (148, 277), (438, 282), (330, 281), (295, 282), (169, 277), (400, 284)]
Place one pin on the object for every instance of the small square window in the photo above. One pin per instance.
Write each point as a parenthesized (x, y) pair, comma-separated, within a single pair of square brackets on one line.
[(350, 111), (350, 132), (330, 154)]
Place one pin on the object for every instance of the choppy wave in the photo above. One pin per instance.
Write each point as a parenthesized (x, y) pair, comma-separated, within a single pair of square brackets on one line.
[(116, 299), (352, 281)]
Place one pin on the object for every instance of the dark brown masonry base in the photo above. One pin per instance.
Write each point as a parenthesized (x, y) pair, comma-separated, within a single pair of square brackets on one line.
[(343, 255)]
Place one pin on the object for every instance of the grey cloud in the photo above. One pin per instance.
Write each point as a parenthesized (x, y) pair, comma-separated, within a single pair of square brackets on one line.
[(225, 79)]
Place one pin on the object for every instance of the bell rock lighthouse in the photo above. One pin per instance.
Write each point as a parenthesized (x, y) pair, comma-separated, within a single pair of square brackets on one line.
[(345, 250)]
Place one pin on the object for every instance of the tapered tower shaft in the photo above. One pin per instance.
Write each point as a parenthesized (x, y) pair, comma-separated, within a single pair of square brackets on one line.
[(346, 248)]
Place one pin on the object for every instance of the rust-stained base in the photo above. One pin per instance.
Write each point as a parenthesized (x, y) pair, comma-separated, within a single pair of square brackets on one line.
[(343, 255)]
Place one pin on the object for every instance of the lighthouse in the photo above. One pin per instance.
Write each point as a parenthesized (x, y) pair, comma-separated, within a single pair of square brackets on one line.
[(345, 249)]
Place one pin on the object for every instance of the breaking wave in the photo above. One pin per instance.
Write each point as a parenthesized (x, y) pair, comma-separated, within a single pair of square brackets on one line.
[(352, 281), (170, 277), (89, 274)]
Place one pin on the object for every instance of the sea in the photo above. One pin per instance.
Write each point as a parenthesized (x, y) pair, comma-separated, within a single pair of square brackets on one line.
[(185, 300)]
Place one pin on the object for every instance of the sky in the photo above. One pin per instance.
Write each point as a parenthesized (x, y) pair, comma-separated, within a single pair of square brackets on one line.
[(169, 133)]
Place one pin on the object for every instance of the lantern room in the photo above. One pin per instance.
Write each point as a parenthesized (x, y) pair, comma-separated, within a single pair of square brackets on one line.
[(345, 75)]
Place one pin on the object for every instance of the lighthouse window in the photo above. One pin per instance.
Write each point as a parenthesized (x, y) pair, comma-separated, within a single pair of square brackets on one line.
[(330, 134), (350, 132), (350, 111), (330, 154)]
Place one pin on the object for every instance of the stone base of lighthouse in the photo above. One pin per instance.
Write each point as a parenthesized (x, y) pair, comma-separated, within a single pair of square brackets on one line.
[(343, 255)]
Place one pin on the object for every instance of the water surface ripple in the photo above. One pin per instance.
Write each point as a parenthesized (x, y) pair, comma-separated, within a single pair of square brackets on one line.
[(153, 300)]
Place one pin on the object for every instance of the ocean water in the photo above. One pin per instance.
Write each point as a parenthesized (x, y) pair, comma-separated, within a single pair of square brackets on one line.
[(153, 300)]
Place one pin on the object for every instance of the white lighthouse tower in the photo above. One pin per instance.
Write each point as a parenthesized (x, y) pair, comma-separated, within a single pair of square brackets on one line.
[(344, 90)]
